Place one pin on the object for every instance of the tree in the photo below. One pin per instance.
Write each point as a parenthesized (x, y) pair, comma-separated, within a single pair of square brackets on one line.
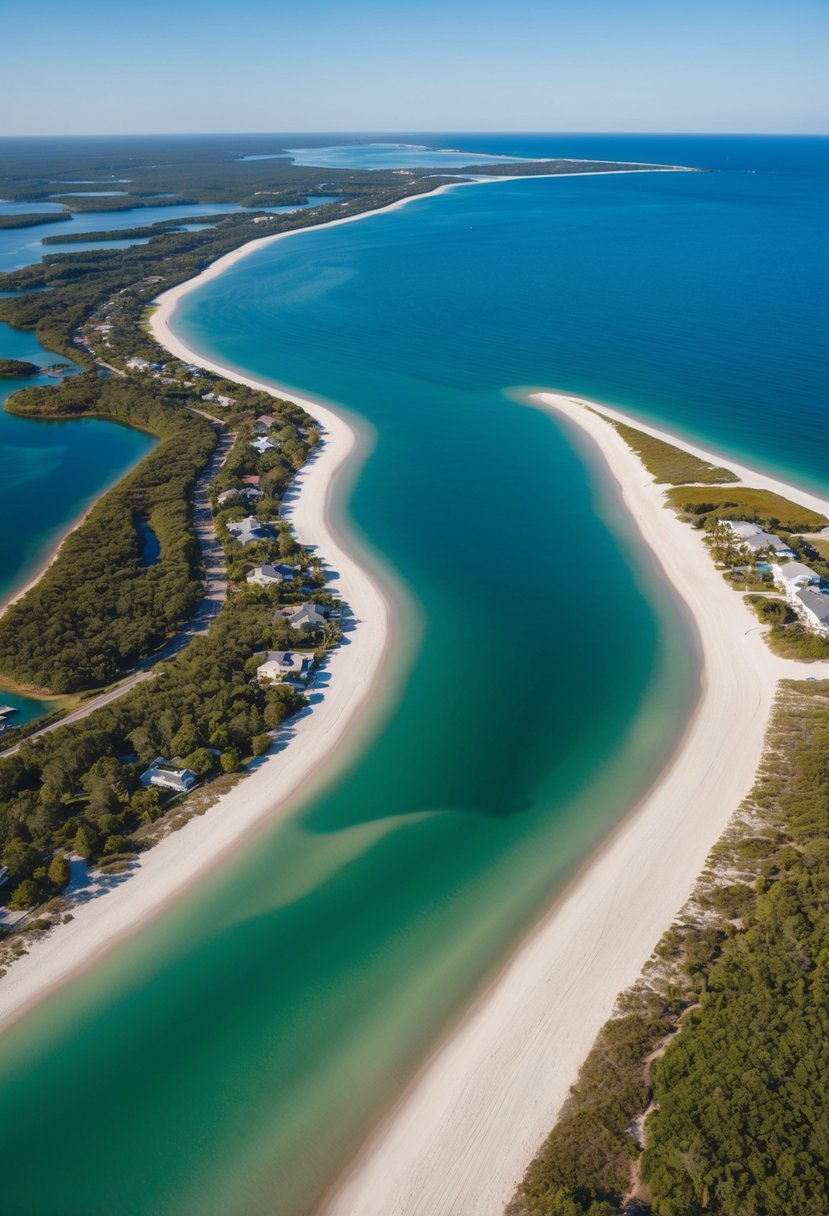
[(20, 858), (60, 872), (230, 760), (185, 740), (26, 895), (86, 840), (146, 804), (201, 761), (261, 744)]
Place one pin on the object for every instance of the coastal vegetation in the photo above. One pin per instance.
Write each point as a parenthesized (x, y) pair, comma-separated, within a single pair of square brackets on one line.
[(668, 463), (787, 635), (35, 219), (78, 788), (705, 1093), (18, 368), (742, 502), (98, 609)]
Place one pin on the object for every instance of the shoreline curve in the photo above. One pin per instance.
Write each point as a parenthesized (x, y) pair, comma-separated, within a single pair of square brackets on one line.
[(321, 741), (461, 1137)]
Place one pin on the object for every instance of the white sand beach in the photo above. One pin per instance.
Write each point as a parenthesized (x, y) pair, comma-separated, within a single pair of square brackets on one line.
[(461, 1138), (355, 670), (317, 739)]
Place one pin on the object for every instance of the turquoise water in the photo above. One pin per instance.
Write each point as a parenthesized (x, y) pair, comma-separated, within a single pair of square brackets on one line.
[(256, 1030)]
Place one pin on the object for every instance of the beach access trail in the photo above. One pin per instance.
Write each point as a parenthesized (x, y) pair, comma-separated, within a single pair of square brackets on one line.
[(460, 1139)]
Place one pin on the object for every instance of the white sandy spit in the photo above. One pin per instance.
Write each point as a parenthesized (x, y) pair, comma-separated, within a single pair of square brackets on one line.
[(280, 779), (461, 1138), (277, 784)]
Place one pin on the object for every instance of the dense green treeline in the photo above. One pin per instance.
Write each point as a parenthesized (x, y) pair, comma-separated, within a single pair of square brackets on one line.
[(98, 609), (78, 789), (33, 220), (722, 1049)]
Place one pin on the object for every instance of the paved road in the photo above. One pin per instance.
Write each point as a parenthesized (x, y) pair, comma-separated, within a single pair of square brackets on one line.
[(215, 593)]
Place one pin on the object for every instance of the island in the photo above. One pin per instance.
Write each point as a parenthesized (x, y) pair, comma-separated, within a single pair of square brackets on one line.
[(18, 369)]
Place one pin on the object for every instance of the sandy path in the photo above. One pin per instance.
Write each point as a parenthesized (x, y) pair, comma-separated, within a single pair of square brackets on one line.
[(461, 1138)]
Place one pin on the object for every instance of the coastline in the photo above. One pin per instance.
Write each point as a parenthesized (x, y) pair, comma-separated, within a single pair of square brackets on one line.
[(321, 741), (460, 1138), (170, 868)]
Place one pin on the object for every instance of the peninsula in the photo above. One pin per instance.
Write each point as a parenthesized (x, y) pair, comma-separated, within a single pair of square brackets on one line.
[(462, 1136), (460, 1139)]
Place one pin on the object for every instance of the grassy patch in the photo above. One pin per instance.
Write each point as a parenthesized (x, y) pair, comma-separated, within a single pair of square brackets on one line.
[(669, 464), (742, 502), (788, 636)]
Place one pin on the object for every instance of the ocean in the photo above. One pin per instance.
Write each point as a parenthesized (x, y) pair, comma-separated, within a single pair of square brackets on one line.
[(232, 1056)]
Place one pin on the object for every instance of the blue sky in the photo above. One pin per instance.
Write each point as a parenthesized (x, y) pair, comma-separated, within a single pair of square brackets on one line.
[(358, 65)]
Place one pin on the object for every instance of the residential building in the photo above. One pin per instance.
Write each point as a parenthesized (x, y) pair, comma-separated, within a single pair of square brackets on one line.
[(767, 540), (281, 665), (263, 444), (791, 576), (227, 496), (264, 423), (814, 604), (249, 530), (269, 576), (165, 775), (306, 616), (138, 365), (740, 527)]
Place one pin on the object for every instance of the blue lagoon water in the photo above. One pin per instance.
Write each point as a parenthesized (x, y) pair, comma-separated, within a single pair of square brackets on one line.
[(544, 670), (22, 246), (50, 472)]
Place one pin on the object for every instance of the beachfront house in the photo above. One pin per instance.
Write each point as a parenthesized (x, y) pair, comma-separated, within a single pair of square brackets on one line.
[(761, 541), (263, 444), (280, 665), (138, 365), (218, 399), (264, 423), (306, 616), (740, 527), (249, 530), (167, 776), (267, 575), (814, 608), (791, 576)]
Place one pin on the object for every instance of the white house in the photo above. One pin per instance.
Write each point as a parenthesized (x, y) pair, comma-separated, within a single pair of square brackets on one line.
[(740, 527), (269, 576), (283, 665), (263, 444), (249, 530), (305, 616), (814, 605), (227, 496), (166, 776), (766, 540), (138, 365), (791, 576)]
